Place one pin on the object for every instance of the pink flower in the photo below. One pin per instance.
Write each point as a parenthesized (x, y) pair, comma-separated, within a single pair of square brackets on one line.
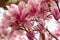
[(21, 18), (39, 28), (4, 33), (42, 6), (16, 16), (56, 13), (54, 10), (30, 35)]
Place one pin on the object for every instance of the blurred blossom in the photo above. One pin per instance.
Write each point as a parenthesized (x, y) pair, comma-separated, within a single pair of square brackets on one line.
[(28, 19)]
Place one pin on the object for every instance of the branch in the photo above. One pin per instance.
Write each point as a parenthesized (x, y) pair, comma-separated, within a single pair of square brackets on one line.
[(3, 3), (57, 4), (51, 34)]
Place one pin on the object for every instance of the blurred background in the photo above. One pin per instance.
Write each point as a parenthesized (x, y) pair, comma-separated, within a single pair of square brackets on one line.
[(51, 24)]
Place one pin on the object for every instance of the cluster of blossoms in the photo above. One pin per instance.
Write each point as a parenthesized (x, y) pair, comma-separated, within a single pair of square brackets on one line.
[(20, 20)]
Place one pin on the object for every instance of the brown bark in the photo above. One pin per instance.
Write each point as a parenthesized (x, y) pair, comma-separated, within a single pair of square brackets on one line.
[(3, 3), (42, 35)]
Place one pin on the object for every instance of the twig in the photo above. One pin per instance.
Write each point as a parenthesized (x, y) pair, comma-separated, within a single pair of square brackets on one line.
[(51, 34), (57, 4)]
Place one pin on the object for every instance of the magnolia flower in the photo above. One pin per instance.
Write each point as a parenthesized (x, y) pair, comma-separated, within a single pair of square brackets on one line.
[(17, 17), (30, 35), (54, 10), (21, 18)]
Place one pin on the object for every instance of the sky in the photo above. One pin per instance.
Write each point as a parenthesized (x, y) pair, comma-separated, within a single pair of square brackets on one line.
[(1, 13)]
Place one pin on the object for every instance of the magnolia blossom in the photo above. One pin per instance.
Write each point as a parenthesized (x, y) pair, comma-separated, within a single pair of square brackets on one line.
[(30, 35), (21, 19)]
